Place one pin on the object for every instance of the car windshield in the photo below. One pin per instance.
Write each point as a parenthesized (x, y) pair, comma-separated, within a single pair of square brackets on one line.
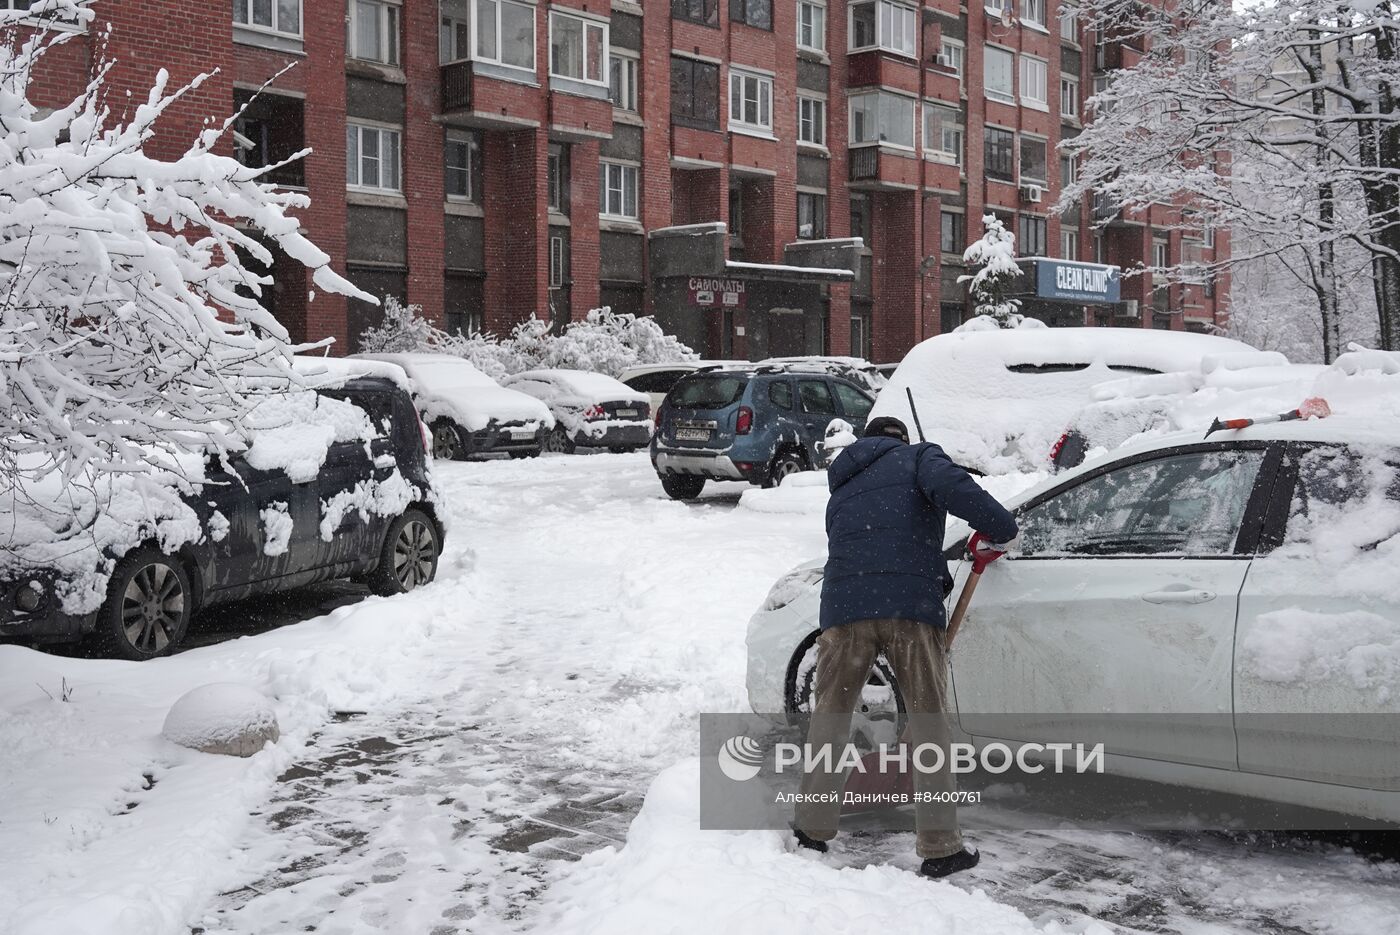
[(709, 391)]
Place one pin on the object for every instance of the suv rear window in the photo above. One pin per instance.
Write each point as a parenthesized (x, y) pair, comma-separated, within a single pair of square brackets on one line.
[(709, 392)]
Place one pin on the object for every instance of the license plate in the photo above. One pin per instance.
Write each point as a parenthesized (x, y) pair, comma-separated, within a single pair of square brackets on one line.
[(521, 434), (626, 413), (692, 435)]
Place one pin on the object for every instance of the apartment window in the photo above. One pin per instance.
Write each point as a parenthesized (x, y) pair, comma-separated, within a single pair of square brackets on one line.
[(1033, 83), (750, 101), (694, 92), (811, 215), (372, 31), (557, 178), (1069, 244), (1033, 13), (269, 130), (558, 261), (882, 117), (951, 55), (372, 157), (578, 48), (505, 33), (622, 81), (998, 7), (998, 69), (755, 13), (462, 165), (811, 120), (999, 153), (860, 216), (879, 24), (1160, 255), (1069, 171), (1208, 236), (1032, 239), (281, 16), (943, 133), (1069, 97), (1033, 160), (617, 190), (1069, 22), (704, 12), (952, 231), (454, 38), (811, 26), (736, 214)]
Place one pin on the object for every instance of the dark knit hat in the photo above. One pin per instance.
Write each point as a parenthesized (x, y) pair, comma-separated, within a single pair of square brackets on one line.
[(887, 427)]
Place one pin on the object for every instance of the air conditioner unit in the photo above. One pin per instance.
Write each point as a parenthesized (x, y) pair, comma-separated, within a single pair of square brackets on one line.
[(1031, 194)]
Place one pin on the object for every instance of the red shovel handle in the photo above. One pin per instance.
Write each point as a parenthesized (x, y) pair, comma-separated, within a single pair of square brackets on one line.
[(982, 552)]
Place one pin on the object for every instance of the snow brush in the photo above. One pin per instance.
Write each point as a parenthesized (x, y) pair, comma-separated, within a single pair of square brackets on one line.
[(870, 779), (1313, 408)]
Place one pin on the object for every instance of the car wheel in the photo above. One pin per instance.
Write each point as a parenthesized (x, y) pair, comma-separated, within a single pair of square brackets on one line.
[(410, 555), (148, 606), (785, 464), (447, 443), (682, 486), (558, 442), (880, 715), (621, 449)]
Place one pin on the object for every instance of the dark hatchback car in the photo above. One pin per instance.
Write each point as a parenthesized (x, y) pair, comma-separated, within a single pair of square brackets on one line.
[(757, 425), (152, 595)]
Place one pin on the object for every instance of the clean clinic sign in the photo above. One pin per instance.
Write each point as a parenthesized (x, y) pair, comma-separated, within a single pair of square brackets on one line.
[(1087, 283)]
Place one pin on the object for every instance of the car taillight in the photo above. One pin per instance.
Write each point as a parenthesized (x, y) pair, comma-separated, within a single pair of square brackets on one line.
[(1056, 448), (744, 422), (656, 419), (593, 412), (427, 439)]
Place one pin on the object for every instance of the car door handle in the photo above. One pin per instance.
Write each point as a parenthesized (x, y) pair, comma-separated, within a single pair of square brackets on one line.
[(1181, 595)]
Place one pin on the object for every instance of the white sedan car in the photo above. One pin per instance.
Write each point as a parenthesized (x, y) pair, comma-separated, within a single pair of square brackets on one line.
[(1242, 590), (591, 410)]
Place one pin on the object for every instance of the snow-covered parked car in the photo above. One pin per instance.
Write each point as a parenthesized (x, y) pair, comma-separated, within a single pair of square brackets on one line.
[(1239, 591), (656, 380), (591, 410), (998, 400), (468, 413), (333, 483)]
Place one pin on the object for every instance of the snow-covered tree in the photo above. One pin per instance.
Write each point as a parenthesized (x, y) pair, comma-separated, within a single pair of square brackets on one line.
[(1275, 121), (995, 256), (403, 329), (128, 322)]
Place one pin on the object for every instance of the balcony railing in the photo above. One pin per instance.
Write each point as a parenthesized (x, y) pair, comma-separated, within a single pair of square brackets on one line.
[(865, 163), (456, 86)]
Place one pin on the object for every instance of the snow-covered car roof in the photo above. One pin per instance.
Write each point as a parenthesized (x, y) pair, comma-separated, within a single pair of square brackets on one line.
[(574, 387), (998, 400), (855, 368), (327, 372), (446, 386)]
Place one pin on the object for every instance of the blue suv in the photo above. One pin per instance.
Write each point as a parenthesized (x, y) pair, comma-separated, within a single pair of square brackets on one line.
[(757, 425)]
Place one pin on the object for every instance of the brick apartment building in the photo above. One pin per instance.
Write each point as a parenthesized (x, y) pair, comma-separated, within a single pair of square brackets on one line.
[(497, 159)]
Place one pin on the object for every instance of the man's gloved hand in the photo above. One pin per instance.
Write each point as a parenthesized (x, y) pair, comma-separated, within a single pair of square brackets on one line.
[(984, 552), (1009, 545)]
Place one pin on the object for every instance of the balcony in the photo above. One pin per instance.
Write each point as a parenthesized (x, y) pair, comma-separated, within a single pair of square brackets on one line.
[(865, 163), (456, 86), (880, 167)]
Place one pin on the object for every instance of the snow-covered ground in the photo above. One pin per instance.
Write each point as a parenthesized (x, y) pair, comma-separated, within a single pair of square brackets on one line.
[(511, 749)]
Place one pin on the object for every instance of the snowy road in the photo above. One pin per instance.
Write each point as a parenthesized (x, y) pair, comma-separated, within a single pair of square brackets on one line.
[(506, 721)]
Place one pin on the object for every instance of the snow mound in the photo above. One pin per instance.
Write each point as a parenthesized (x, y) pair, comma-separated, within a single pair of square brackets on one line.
[(671, 877), (800, 493), (223, 717)]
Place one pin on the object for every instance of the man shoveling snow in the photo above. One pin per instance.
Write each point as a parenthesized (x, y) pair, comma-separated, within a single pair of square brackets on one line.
[(883, 593)]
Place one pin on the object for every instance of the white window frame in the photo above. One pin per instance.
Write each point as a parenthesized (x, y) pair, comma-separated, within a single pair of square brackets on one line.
[(1033, 14), (1008, 96), (625, 171), (1161, 254), (1069, 244), (742, 80), (819, 28), (952, 53), (1028, 71), (1021, 177), (879, 96), (473, 142), (557, 273), (586, 23), (1071, 83), (385, 134), (937, 148), (246, 6), (885, 28), (497, 60), (815, 119), (388, 27), (452, 52), (1069, 22), (629, 71)]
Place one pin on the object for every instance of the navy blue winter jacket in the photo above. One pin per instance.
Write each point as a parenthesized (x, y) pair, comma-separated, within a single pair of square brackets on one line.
[(884, 528)]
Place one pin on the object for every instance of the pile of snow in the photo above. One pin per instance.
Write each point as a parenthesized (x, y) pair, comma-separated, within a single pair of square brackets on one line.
[(805, 492), (224, 717), (449, 387), (569, 394), (998, 400), (672, 877)]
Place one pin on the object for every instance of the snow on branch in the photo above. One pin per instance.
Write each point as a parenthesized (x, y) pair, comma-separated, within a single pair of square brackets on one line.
[(995, 256)]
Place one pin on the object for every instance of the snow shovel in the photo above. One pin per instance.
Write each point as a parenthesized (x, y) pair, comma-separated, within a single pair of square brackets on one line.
[(872, 781), (1313, 408)]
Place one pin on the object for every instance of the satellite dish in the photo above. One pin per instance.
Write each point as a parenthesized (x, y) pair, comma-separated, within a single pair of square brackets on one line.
[(1006, 17)]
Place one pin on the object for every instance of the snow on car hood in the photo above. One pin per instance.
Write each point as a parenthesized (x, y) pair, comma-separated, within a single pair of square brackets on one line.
[(998, 400)]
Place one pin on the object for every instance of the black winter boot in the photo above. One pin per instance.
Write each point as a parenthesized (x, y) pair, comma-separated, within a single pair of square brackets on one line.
[(936, 867), (809, 842)]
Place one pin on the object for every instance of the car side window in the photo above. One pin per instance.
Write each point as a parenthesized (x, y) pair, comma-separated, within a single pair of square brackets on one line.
[(816, 397), (1186, 504), (1345, 499), (856, 403), (658, 381), (780, 394)]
